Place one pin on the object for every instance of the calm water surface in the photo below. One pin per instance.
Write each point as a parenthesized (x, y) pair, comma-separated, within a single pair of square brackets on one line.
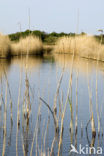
[(43, 75)]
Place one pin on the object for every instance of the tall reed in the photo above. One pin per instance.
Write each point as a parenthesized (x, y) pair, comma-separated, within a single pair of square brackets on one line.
[(91, 112), (5, 123)]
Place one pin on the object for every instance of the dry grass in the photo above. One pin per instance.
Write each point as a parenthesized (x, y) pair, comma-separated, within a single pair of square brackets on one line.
[(84, 46), (29, 45), (5, 45)]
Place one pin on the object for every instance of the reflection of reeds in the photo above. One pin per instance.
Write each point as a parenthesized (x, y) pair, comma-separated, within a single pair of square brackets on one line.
[(32, 63), (79, 64), (4, 65)]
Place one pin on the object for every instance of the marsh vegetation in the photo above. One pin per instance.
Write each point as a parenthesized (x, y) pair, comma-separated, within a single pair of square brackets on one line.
[(50, 100), (34, 43), (27, 46)]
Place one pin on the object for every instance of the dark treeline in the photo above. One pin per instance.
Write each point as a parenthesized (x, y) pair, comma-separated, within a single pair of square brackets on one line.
[(49, 38)]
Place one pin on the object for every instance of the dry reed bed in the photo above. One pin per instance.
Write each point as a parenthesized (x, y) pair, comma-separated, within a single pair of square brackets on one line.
[(29, 45), (5, 46), (84, 46)]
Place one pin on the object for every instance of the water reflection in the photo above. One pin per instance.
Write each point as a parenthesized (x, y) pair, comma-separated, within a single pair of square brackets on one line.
[(80, 64), (64, 60), (31, 63), (25, 114), (4, 66)]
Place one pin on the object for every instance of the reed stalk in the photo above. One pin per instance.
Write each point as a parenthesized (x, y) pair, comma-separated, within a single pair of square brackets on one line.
[(18, 112), (28, 104), (55, 101), (57, 93), (67, 99), (97, 101), (35, 131), (97, 63), (91, 110), (53, 115), (42, 135), (52, 146), (76, 120), (5, 120), (23, 147), (70, 99), (45, 137), (81, 130), (61, 131), (11, 105), (1, 100)]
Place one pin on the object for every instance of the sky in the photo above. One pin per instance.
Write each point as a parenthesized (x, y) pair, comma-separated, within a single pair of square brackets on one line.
[(52, 15)]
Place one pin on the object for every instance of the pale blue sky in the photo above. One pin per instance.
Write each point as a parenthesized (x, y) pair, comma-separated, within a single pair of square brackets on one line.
[(52, 15)]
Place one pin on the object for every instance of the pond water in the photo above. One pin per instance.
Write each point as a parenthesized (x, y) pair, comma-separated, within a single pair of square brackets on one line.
[(26, 124)]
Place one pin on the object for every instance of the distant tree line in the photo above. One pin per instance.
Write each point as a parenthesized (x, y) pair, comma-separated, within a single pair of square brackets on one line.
[(49, 38)]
